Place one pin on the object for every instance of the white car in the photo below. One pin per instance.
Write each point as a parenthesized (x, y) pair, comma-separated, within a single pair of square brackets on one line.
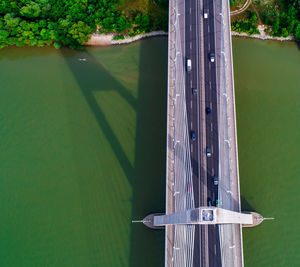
[(205, 14), (216, 180), (212, 57), (188, 65)]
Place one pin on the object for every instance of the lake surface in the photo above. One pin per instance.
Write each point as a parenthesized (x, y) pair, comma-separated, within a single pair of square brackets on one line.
[(267, 81), (82, 153)]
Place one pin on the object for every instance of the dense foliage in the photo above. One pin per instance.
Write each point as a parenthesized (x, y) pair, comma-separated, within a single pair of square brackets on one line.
[(284, 20), (70, 22), (232, 2), (247, 25), (282, 17)]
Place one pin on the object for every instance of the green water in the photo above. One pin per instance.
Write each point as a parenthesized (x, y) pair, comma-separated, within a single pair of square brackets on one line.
[(82, 153), (267, 80)]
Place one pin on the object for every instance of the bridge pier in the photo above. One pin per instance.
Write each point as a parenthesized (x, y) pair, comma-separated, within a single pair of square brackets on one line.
[(203, 215)]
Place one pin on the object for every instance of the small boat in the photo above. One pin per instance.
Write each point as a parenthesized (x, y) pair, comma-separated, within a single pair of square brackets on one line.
[(82, 59)]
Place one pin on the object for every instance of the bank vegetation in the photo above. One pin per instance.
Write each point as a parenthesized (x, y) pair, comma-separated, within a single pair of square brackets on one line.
[(281, 18), (72, 22)]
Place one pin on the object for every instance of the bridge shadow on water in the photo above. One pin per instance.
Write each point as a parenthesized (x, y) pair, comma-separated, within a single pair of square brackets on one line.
[(147, 173), (150, 152), (246, 206)]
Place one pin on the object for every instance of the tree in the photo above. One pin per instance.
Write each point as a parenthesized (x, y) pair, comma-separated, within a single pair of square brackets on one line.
[(275, 25), (297, 32), (80, 32), (71, 22), (143, 21), (10, 21), (31, 10), (3, 35), (57, 45), (252, 17)]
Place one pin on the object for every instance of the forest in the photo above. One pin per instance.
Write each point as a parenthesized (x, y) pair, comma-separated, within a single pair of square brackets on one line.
[(284, 19), (281, 16), (71, 22)]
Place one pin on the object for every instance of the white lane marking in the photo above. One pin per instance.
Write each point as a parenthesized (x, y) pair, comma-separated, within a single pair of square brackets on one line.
[(210, 84), (212, 149), (209, 46), (190, 27), (191, 124), (191, 83), (215, 249), (213, 170), (190, 45), (190, 10), (208, 29), (191, 148), (191, 104), (211, 127)]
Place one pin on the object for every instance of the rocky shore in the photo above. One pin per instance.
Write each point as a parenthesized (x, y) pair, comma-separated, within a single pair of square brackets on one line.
[(107, 39), (263, 35)]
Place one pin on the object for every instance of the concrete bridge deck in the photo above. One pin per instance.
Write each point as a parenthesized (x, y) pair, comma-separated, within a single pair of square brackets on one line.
[(180, 186)]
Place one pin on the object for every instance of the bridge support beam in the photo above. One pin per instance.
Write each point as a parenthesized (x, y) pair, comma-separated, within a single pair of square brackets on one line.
[(204, 215)]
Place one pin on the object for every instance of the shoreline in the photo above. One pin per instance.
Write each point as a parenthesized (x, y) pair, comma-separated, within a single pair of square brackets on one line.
[(107, 39), (263, 35)]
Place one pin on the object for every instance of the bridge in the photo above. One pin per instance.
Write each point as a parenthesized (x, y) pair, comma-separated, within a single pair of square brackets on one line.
[(203, 220)]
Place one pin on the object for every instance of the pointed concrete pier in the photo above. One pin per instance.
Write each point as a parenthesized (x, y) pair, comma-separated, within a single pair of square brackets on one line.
[(204, 215)]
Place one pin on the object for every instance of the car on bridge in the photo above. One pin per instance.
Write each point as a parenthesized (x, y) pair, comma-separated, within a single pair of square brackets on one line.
[(209, 202), (188, 64), (216, 180), (205, 14), (212, 57), (194, 91), (208, 110), (193, 135), (208, 152)]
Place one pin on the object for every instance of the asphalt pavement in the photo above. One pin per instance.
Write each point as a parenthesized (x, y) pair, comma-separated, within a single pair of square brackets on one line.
[(199, 32)]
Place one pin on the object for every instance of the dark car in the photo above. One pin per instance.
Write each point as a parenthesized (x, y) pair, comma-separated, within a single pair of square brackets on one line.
[(208, 110), (208, 152), (216, 180), (194, 91), (209, 202), (193, 136)]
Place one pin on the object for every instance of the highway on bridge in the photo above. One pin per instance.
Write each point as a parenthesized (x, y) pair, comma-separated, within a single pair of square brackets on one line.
[(201, 135), (202, 108)]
